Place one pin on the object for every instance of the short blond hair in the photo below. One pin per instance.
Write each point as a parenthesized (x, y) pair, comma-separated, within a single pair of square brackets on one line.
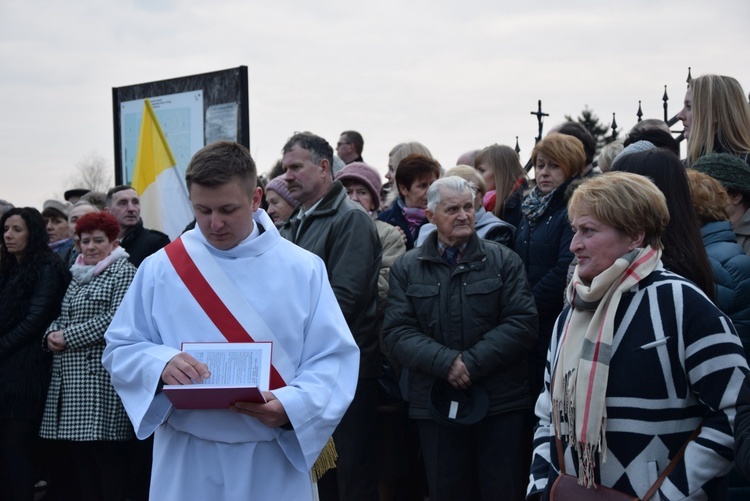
[(608, 153), (628, 202), (709, 197), (403, 150), (470, 174)]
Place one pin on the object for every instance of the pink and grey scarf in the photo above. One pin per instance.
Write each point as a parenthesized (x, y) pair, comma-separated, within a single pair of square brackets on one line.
[(579, 383)]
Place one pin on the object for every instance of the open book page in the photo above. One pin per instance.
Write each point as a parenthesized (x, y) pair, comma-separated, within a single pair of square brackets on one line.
[(247, 364), (239, 372)]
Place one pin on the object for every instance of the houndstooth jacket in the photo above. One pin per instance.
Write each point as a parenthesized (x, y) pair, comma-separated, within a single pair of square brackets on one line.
[(81, 403)]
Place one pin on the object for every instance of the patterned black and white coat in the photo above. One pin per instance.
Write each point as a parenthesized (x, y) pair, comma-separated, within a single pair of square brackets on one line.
[(676, 361), (81, 403)]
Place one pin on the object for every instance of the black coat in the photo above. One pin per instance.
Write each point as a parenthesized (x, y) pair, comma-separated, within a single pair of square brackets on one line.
[(742, 430), (140, 242), (544, 247), (30, 299)]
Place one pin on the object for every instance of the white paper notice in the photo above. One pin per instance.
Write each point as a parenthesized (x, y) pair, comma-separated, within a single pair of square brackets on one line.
[(247, 364), (221, 122)]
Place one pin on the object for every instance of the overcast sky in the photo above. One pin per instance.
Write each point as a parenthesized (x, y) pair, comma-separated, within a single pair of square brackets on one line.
[(454, 75)]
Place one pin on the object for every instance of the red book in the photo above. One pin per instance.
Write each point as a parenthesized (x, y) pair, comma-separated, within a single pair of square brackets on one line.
[(239, 372), (206, 396)]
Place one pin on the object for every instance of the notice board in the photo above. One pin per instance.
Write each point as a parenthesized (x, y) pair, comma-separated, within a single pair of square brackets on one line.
[(193, 111)]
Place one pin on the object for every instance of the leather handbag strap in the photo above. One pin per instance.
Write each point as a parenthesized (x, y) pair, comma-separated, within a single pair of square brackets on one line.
[(676, 459), (649, 494), (560, 456)]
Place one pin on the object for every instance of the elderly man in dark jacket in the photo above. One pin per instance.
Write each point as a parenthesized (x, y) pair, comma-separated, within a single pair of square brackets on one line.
[(461, 319)]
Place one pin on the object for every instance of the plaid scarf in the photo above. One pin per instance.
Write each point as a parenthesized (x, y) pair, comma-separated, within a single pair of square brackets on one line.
[(535, 204), (579, 383)]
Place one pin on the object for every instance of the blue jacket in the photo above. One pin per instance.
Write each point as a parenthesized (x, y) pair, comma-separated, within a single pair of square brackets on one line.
[(732, 275)]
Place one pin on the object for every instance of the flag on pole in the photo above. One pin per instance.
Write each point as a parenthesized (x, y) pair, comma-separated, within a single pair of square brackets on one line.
[(165, 204)]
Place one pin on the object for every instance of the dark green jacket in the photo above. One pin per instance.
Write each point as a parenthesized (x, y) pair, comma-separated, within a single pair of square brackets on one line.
[(343, 235)]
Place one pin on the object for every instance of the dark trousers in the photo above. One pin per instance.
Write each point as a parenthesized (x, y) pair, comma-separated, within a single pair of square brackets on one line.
[(88, 471), (483, 461), (18, 439), (355, 476), (101, 468), (139, 469)]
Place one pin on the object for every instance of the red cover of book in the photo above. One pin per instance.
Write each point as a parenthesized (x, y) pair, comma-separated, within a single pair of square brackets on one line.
[(206, 396), (239, 371)]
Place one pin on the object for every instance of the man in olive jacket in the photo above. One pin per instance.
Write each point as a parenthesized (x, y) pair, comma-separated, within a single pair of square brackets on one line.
[(343, 235), (461, 319)]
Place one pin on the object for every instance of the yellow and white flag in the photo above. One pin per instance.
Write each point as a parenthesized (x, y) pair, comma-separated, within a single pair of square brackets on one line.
[(165, 205)]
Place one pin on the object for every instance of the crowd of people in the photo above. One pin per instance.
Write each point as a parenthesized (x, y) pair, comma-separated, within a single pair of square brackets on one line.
[(452, 332)]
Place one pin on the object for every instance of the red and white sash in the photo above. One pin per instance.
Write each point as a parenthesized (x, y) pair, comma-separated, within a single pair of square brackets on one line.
[(223, 303)]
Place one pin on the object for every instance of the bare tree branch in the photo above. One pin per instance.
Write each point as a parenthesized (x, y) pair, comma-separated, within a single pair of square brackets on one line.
[(92, 173)]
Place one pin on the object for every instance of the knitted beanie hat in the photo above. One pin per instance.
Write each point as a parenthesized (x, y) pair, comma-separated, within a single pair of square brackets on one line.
[(729, 170), (278, 185), (362, 173), (636, 147)]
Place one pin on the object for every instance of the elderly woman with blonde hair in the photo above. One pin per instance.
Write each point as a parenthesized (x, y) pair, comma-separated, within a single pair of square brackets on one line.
[(640, 361)]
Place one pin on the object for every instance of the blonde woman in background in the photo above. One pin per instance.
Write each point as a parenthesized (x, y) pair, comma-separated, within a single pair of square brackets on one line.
[(716, 117), (502, 173), (398, 153), (609, 152)]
